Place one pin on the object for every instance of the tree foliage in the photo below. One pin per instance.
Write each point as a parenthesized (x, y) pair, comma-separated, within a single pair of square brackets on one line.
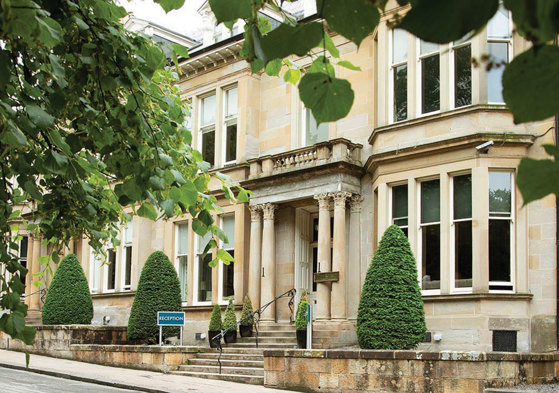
[(90, 121), (68, 301), (391, 313), (158, 290)]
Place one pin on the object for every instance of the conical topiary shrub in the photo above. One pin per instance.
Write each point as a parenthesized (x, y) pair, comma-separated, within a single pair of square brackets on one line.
[(247, 318), (215, 327), (230, 322), (158, 290), (301, 321), (391, 313), (68, 300)]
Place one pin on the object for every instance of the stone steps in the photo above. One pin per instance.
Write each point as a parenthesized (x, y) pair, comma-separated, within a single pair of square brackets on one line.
[(273, 333), (250, 379), (261, 345), (265, 339), (226, 362), (230, 356), (230, 370)]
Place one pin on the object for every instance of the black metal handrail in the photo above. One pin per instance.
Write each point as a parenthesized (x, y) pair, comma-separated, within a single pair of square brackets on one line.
[(256, 315)]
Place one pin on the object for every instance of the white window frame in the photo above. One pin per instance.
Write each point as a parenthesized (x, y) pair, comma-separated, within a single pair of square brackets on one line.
[(303, 136), (512, 282), (452, 67), (207, 128), (452, 236), (95, 265), (123, 246), (392, 68), (221, 265), (178, 255), (510, 47), (195, 274), (419, 81), (106, 269), (227, 121), (420, 237), (390, 204)]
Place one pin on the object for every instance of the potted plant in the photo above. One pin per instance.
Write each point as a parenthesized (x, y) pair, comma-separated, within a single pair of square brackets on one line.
[(301, 322), (247, 319), (230, 322), (215, 327)]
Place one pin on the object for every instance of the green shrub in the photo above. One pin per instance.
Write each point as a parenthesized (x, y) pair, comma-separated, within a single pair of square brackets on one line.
[(247, 312), (301, 317), (158, 290), (215, 319), (391, 313), (68, 300), (230, 319)]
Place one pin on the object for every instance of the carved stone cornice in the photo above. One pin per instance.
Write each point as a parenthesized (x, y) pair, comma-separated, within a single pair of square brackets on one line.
[(268, 210), (340, 198), (255, 212), (355, 203), (323, 201)]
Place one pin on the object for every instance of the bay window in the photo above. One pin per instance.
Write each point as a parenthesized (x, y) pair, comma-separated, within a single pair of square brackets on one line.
[(430, 234), (400, 207), (181, 257), (500, 231), (461, 55), (462, 231), (499, 44), (399, 77), (203, 271), (430, 81), (227, 272), (207, 128), (230, 125)]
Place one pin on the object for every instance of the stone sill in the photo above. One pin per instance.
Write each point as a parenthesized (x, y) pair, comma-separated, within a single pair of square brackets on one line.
[(112, 294), (476, 296), (137, 348), (411, 355)]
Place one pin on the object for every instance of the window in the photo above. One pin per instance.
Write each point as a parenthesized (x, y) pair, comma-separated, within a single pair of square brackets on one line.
[(230, 125), (203, 272), (399, 77), (499, 42), (430, 235), (500, 229), (462, 231), (110, 270), (23, 246), (94, 271), (207, 128), (182, 257), (462, 77), (429, 65), (127, 253), (313, 133), (227, 272), (400, 207)]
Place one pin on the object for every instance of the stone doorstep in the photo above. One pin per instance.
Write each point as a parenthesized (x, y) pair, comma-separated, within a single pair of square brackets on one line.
[(254, 380), (226, 362), (225, 369)]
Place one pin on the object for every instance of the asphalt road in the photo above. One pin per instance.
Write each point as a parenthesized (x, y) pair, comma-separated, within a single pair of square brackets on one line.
[(16, 381)]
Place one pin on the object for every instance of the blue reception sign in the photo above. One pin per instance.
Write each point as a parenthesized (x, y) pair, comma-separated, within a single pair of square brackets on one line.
[(170, 318)]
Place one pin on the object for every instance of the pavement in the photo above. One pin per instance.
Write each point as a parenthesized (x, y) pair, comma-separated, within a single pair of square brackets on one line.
[(123, 378)]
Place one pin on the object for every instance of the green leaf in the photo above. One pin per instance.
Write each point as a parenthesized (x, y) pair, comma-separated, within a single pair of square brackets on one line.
[(273, 68), (49, 31), (329, 45), (538, 178), (535, 20), (292, 76), (287, 40), (349, 65), (354, 19), (55, 162), (15, 137), (169, 5), (329, 98), (227, 10), (242, 196), (224, 256), (157, 183), (39, 117), (206, 218), (168, 207), (180, 50), (189, 194), (322, 64), (198, 227), (148, 211), (445, 21), (33, 190), (531, 84)]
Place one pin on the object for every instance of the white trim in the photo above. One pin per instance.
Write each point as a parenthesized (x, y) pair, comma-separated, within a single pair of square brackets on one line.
[(221, 266), (95, 264), (420, 240), (106, 270), (196, 277), (452, 72), (419, 98), (123, 246), (176, 259)]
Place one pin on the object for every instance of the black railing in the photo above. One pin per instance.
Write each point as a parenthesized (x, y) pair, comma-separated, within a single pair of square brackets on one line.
[(255, 315)]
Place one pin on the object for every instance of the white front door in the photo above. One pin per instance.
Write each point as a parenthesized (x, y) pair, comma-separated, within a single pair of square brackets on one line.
[(303, 262)]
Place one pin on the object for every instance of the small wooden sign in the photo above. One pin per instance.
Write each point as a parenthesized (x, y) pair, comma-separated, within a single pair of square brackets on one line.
[(327, 277)]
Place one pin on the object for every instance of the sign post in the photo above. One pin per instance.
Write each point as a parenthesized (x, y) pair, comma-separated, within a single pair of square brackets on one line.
[(309, 326), (169, 318)]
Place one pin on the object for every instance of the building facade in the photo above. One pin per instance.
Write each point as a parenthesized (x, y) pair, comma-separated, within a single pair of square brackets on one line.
[(411, 152)]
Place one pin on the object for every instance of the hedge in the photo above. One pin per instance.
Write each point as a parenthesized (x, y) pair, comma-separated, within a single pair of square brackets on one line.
[(68, 301)]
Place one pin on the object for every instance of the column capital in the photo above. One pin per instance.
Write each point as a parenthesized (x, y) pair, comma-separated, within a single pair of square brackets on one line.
[(355, 203), (323, 200), (268, 210), (340, 198), (255, 212)]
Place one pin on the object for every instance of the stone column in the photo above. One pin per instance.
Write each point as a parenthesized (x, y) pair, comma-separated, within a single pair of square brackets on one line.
[(354, 255), (255, 266), (338, 307), (268, 281), (323, 289), (35, 301)]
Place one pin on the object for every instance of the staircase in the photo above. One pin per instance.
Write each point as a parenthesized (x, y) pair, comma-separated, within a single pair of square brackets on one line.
[(241, 361)]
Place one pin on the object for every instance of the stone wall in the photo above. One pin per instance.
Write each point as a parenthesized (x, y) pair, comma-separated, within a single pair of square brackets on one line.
[(349, 371)]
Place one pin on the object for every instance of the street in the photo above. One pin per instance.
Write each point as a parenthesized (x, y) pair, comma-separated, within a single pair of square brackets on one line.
[(16, 381)]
